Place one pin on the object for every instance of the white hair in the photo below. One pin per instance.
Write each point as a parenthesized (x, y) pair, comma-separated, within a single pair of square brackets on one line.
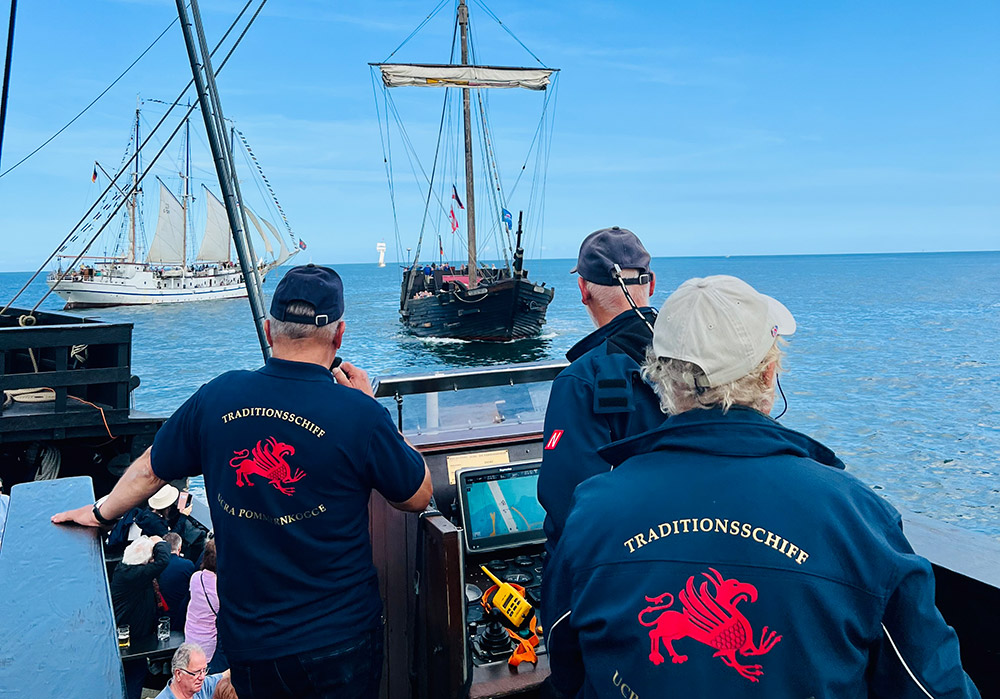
[(138, 552), (182, 656), (301, 331), (674, 381), (611, 297)]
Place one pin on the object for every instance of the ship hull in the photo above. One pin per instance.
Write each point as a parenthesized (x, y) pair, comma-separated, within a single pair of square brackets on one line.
[(147, 288), (507, 310)]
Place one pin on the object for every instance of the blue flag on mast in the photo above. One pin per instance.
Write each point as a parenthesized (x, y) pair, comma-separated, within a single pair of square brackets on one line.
[(454, 195), (508, 218)]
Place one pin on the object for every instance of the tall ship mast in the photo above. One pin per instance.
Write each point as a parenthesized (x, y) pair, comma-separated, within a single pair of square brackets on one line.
[(467, 298), (169, 269)]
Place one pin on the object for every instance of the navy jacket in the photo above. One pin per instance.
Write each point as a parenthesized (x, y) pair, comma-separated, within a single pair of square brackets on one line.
[(290, 458), (133, 596), (596, 400), (175, 587), (729, 556)]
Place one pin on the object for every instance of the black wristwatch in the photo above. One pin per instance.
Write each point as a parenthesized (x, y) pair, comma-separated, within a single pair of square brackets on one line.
[(101, 519)]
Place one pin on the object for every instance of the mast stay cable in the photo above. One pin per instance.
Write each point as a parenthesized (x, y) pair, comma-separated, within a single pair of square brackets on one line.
[(507, 29), (420, 26), (92, 103), (6, 70)]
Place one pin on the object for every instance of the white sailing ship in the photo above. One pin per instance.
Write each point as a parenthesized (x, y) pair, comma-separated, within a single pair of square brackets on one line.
[(165, 272)]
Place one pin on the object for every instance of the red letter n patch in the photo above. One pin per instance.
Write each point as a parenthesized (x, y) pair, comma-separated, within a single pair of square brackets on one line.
[(554, 439)]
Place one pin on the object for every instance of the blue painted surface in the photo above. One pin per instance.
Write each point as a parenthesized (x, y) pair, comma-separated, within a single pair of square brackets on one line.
[(57, 637)]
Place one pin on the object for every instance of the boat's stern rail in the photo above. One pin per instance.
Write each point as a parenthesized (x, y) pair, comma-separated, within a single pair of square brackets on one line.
[(64, 385), (61, 370)]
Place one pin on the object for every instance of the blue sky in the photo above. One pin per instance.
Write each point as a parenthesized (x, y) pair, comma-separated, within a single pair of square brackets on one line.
[(708, 128)]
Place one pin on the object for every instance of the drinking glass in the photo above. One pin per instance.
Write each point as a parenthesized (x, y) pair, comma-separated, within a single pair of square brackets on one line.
[(163, 629), (123, 637)]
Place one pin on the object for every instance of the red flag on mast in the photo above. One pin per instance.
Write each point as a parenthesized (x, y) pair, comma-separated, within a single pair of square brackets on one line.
[(454, 221)]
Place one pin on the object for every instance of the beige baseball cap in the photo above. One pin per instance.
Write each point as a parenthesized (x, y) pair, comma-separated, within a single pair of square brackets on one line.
[(722, 324)]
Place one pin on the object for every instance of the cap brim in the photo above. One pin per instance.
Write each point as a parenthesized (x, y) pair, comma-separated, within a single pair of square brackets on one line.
[(573, 271), (780, 316)]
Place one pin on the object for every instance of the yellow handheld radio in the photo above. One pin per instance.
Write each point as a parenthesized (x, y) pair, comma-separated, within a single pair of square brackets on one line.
[(510, 603)]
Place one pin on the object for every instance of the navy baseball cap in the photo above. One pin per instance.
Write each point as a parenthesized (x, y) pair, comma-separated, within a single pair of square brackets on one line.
[(320, 287), (603, 249)]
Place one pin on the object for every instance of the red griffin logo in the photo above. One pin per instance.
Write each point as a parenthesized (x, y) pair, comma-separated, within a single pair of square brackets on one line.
[(269, 461), (710, 618)]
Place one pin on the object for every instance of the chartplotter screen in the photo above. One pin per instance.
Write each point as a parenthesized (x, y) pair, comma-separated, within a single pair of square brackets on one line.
[(500, 506)]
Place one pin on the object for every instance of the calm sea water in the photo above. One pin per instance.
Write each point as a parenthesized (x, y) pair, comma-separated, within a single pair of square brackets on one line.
[(895, 365)]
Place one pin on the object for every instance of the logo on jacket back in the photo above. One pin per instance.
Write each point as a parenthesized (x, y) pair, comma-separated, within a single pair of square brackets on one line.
[(268, 460), (709, 617), (554, 439)]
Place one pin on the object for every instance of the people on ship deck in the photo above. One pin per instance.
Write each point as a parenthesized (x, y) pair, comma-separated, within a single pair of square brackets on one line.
[(135, 599), (189, 675), (164, 516), (201, 622), (290, 455), (174, 583), (600, 397), (729, 556), (4, 506), (225, 689)]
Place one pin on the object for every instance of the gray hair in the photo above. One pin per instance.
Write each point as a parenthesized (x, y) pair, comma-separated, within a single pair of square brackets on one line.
[(174, 539), (610, 297), (674, 383), (182, 656), (138, 552), (301, 331)]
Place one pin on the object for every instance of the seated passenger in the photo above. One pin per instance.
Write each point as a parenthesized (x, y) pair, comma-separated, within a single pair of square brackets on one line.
[(189, 678), (135, 601), (729, 556), (175, 581), (164, 516)]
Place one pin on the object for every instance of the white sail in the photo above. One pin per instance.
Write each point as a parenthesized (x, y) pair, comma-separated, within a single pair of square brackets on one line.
[(399, 75), (167, 247), (215, 244), (284, 253), (260, 231)]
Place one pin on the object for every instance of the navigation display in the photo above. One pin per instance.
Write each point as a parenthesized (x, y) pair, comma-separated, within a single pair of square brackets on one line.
[(500, 506)]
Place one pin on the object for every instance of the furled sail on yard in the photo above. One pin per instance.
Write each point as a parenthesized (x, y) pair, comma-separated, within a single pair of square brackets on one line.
[(419, 75), (215, 244), (167, 247)]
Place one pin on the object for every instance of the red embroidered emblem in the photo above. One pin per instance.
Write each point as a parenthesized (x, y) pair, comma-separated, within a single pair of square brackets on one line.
[(554, 439), (709, 617), (268, 460)]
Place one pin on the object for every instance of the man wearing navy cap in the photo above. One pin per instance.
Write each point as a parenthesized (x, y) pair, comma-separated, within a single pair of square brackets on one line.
[(729, 556), (290, 454), (600, 397)]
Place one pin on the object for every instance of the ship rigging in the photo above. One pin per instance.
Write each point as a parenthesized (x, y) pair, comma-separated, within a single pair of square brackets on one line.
[(170, 268), (470, 301)]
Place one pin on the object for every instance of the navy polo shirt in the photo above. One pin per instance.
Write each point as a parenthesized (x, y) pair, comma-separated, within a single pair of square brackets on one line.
[(290, 458)]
